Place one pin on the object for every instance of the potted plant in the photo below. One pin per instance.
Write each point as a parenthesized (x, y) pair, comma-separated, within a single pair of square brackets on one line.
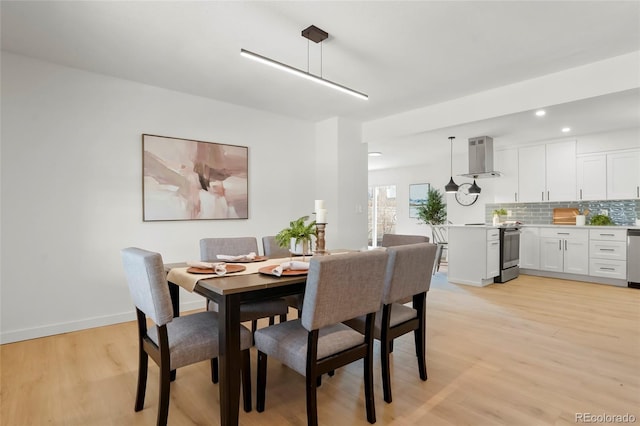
[(297, 237), (434, 211), (496, 215)]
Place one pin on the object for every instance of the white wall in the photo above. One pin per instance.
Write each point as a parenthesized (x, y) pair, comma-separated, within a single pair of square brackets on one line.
[(435, 171), (71, 188)]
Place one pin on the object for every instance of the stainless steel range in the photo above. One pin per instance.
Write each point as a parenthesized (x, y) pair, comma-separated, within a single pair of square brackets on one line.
[(509, 253)]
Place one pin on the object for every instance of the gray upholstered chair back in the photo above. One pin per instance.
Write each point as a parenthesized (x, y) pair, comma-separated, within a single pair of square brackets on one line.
[(210, 248), (272, 249), (341, 287), (390, 240), (408, 271), (147, 281)]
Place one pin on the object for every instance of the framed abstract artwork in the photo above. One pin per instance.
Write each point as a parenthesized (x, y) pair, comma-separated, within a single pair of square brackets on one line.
[(185, 179), (418, 194)]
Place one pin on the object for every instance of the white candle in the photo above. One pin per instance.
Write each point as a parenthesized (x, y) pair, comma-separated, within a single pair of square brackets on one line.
[(318, 205), (321, 216)]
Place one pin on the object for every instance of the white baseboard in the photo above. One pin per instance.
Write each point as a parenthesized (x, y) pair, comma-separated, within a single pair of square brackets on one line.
[(66, 327)]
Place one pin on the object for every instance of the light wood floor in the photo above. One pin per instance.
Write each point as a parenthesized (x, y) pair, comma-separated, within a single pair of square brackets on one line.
[(533, 351)]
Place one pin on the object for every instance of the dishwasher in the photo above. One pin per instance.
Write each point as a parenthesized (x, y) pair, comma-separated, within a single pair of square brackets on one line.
[(633, 258)]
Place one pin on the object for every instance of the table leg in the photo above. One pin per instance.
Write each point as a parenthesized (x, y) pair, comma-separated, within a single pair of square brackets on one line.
[(229, 358), (174, 293)]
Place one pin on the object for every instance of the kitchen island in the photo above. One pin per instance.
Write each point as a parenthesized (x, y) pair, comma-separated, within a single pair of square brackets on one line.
[(474, 254)]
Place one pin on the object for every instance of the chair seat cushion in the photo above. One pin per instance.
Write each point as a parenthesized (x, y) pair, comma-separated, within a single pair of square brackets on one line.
[(399, 314), (194, 338), (255, 310), (287, 342)]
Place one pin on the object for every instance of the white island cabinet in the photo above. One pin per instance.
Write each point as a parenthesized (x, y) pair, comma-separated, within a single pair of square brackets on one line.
[(473, 254)]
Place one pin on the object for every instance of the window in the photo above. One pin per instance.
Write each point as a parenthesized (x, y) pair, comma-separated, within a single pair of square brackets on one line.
[(382, 212)]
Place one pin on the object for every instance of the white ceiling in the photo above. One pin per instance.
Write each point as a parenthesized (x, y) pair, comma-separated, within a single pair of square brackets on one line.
[(404, 55)]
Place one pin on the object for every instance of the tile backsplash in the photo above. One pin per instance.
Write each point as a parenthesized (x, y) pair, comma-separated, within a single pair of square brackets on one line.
[(622, 212)]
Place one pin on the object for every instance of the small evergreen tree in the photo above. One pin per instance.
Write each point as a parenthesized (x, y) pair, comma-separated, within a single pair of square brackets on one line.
[(434, 211)]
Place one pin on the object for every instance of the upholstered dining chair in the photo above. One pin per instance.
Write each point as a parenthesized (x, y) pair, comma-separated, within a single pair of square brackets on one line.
[(210, 248), (272, 249), (408, 275), (338, 288), (172, 342), (390, 240)]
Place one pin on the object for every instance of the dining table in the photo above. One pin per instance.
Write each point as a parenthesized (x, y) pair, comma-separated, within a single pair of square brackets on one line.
[(229, 291)]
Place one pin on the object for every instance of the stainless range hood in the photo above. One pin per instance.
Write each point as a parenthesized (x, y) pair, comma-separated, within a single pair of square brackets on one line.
[(481, 158)]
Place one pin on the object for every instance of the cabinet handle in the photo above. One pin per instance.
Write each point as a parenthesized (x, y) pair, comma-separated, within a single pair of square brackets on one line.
[(638, 191), (559, 244), (548, 196), (542, 195), (607, 269), (565, 245), (607, 249), (607, 235), (515, 196), (581, 194), (564, 233)]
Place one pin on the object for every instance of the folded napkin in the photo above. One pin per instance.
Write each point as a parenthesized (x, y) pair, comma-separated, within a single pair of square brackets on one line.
[(203, 265), (294, 265), (240, 258)]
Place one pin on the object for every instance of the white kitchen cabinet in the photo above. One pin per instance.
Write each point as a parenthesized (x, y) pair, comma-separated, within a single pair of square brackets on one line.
[(473, 255), (547, 172), (592, 177), (623, 175), (531, 174), (608, 253), (506, 187), (493, 259), (564, 250), (530, 248), (561, 171)]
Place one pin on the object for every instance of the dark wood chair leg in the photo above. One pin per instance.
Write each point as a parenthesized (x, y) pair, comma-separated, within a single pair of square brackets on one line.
[(332, 373), (318, 381), (368, 371), (172, 375), (163, 402), (214, 370), (246, 380), (143, 364), (261, 382), (272, 320), (419, 336), (386, 370), (391, 347), (283, 318), (312, 400)]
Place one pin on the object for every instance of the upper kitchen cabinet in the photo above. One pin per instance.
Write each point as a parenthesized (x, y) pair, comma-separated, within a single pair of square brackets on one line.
[(592, 177), (623, 175), (531, 174), (547, 172), (506, 187), (561, 171)]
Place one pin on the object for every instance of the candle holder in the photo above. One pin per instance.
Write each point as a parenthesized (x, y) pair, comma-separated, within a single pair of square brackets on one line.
[(320, 250)]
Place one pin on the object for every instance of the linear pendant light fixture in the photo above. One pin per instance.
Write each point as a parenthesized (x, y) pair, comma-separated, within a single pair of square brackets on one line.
[(316, 35)]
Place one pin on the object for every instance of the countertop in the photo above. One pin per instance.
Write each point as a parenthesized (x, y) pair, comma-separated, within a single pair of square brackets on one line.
[(547, 225)]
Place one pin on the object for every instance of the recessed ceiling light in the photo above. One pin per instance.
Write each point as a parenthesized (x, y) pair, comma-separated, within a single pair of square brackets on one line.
[(540, 112), (375, 154), (566, 129)]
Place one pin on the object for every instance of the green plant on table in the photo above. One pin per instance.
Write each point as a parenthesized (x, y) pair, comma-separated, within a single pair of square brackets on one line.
[(298, 230), (500, 212), (601, 220)]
